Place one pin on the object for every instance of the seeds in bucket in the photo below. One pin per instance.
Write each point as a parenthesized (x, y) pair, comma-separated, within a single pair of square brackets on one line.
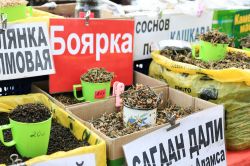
[(30, 113), (140, 97), (97, 75), (112, 124), (216, 37)]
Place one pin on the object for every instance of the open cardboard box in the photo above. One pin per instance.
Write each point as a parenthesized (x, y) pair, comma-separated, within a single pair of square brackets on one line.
[(115, 153), (139, 78)]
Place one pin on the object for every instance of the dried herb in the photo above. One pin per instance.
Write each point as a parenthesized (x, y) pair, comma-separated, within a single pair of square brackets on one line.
[(66, 98), (245, 42), (97, 75), (233, 59), (172, 109), (30, 113), (112, 124), (140, 97), (216, 37)]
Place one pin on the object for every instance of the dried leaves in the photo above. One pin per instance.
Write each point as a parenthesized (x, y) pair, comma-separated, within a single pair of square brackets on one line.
[(140, 97), (97, 75), (215, 37), (233, 59), (10, 3), (112, 124), (245, 41), (170, 110)]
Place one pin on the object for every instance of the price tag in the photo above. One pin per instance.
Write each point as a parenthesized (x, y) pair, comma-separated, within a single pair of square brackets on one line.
[(80, 160), (100, 94), (198, 140)]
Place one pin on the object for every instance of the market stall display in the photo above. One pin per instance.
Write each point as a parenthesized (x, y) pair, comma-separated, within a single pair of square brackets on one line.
[(103, 118), (91, 106)]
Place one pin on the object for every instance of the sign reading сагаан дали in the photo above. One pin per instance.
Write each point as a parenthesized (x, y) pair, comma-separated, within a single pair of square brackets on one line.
[(25, 51), (198, 141)]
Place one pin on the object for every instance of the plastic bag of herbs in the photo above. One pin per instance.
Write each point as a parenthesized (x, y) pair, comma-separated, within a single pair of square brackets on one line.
[(225, 82)]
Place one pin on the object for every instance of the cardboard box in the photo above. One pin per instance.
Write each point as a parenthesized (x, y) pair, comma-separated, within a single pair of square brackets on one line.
[(139, 78), (115, 153)]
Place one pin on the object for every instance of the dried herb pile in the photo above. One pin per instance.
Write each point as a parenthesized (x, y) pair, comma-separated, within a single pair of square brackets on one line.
[(245, 42), (66, 98), (140, 97), (30, 113), (112, 124), (10, 3), (97, 75), (215, 37), (233, 59)]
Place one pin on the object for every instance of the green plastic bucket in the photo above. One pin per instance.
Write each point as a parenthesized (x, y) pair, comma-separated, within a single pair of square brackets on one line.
[(16, 12), (31, 139), (92, 91), (212, 52)]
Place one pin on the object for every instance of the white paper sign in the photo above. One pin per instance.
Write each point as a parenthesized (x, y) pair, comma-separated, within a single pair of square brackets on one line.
[(25, 51), (198, 141), (151, 30), (80, 160)]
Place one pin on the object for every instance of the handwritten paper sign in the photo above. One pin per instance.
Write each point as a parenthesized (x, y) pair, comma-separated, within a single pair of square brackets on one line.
[(78, 47), (198, 141), (25, 51), (80, 160)]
